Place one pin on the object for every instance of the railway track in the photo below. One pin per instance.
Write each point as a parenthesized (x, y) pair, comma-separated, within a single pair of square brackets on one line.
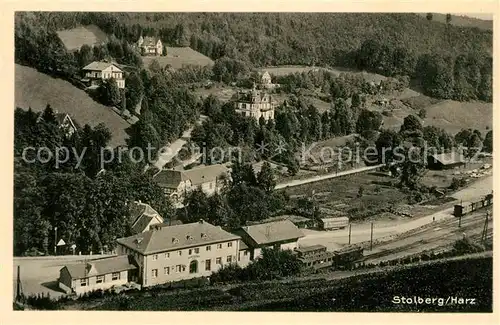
[(440, 234)]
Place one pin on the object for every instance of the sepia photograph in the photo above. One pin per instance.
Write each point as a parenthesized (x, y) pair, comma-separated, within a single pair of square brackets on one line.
[(253, 161)]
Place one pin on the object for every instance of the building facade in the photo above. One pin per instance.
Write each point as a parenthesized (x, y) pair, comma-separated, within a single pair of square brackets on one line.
[(177, 183), (174, 253), (279, 235), (96, 274), (255, 104), (150, 45), (96, 72)]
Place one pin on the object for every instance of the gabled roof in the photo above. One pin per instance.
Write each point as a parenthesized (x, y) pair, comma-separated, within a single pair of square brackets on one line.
[(171, 178), (99, 66), (61, 117), (100, 267), (141, 215), (176, 237), (272, 232), (150, 41), (449, 158)]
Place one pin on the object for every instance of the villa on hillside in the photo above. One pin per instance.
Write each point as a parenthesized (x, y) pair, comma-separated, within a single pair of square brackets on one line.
[(150, 45), (168, 254), (96, 72), (177, 183), (255, 104)]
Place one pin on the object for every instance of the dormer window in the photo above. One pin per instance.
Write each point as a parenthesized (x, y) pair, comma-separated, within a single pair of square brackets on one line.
[(203, 236), (189, 237), (175, 240)]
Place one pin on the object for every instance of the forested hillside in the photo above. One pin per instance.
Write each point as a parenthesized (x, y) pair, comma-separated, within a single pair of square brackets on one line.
[(449, 62)]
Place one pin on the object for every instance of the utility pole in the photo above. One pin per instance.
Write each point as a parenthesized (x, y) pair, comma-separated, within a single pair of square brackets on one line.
[(485, 228), (19, 290), (371, 237), (349, 234), (55, 240)]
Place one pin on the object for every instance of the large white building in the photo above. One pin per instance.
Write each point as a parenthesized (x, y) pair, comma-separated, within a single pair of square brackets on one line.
[(96, 72), (255, 104), (173, 253)]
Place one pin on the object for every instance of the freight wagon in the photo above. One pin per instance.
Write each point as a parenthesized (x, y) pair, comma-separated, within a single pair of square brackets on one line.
[(333, 223), (468, 207)]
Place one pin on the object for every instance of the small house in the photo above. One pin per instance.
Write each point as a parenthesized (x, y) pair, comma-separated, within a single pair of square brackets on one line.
[(96, 274), (445, 161), (278, 235)]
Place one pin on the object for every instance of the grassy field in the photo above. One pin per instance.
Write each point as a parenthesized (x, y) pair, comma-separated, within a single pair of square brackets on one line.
[(36, 90), (177, 57), (462, 21), (341, 194), (450, 115), (74, 38)]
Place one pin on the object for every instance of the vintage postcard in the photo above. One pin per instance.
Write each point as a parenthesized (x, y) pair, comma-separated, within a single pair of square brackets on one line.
[(236, 160)]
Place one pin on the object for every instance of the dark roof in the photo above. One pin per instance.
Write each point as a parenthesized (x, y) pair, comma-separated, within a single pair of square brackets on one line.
[(305, 249), (272, 232), (243, 246), (176, 237), (100, 266), (449, 158), (150, 41), (141, 215)]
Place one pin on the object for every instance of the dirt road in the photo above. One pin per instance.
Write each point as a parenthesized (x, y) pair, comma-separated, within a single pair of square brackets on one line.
[(361, 232)]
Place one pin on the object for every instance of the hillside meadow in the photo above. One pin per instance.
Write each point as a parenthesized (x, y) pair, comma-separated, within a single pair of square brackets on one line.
[(36, 90)]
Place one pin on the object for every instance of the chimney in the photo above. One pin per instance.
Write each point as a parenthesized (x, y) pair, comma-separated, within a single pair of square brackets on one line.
[(201, 221)]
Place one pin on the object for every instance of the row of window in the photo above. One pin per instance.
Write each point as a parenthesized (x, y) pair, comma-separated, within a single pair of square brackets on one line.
[(192, 251), (100, 279), (193, 266)]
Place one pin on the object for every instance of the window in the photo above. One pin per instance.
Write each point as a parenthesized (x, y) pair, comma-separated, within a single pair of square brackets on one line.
[(208, 265), (190, 252), (167, 255), (178, 268), (115, 276), (84, 282), (218, 260), (219, 246), (245, 253), (196, 250), (154, 273), (180, 253), (230, 244), (166, 270), (208, 248), (99, 279), (229, 259), (155, 257)]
